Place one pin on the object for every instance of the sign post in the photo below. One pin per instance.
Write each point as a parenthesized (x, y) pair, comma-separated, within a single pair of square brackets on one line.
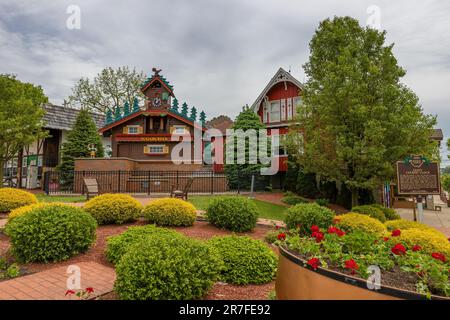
[(417, 176)]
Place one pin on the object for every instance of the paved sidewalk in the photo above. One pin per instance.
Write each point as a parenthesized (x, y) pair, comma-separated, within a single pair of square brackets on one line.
[(437, 219), (52, 284)]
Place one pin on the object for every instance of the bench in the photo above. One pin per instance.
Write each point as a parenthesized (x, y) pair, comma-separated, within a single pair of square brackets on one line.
[(182, 194), (91, 186)]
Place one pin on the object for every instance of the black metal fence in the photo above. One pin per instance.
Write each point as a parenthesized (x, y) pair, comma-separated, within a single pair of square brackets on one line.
[(149, 182)]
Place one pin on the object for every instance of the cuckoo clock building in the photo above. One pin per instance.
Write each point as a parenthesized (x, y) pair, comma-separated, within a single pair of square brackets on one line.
[(144, 134)]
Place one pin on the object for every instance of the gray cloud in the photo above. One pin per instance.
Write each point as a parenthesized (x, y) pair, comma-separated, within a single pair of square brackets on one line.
[(218, 54)]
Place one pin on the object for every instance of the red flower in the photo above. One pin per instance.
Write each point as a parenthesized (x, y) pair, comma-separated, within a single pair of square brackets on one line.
[(89, 290), (277, 227), (439, 256), (281, 236), (332, 230), (313, 263), (340, 233), (69, 292), (318, 235), (386, 239), (398, 249), (336, 220), (416, 248), (351, 265), (315, 228), (396, 233)]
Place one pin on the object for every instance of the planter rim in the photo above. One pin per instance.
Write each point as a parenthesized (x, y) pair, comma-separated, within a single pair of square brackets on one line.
[(361, 283)]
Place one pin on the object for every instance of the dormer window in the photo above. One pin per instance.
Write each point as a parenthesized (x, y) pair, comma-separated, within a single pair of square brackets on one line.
[(178, 130), (132, 129)]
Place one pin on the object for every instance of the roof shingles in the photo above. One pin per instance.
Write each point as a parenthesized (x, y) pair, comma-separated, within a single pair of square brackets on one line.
[(63, 118)]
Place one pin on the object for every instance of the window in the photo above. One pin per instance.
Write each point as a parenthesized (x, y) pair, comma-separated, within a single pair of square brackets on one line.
[(179, 130), (133, 129), (297, 102), (283, 110), (155, 149), (274, 111)]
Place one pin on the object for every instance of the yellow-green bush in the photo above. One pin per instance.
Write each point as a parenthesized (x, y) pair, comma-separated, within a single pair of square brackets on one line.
[(113, 208), (428, 240), (356, 221), (406, 225), (170, 212), (25, 209), (11, 198)]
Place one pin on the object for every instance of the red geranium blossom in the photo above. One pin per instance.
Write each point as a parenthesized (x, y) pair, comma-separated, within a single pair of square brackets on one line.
[(281, 236), (439, 256), (89, 290), (416, 248), (340, 233), (398, 249), (386, 239), (396, 233), (351, 265), (70, 292), (318, 235), (313, 263), (315, 228), (335, 230)]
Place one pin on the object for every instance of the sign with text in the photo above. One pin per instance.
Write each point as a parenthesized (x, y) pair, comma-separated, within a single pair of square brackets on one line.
[(418, 176)]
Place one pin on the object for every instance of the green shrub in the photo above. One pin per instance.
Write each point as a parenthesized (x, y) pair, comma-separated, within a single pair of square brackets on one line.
[(356, 221), (117, 246), (170, 212), (113, 208), (323, 202), (234, 213), (292, 199), (306, 215), (246, 260), (51, 233), (389, 213), (370, 211), (168, 268)]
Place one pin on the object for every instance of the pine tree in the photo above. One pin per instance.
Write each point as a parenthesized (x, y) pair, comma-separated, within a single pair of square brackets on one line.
[(108, 118), (126, 109), (184, 110), (193, 113), (240, 174), (202, 117), (83, 133), (117, 114), (135, 105), (175, 105)]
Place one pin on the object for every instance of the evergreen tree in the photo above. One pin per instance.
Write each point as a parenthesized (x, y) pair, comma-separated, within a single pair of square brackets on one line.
[(117, 114), (135, 105), (358, 119), (126, 109), (240, 174), (175, 105), (202, 118), (108, 118), (83, 133), (184, 110), (193, 113)]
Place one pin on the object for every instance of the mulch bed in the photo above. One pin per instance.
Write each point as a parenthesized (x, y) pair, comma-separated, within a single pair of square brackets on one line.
[(200, 230)]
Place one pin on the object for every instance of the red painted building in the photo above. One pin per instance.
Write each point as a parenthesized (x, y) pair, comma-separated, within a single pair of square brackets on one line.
[(276, 106)]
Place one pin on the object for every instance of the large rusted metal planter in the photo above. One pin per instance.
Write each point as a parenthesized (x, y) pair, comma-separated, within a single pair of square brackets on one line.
[(295, 281)]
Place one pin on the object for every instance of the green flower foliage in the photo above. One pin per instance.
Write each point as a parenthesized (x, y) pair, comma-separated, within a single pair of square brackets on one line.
[(305, 215), (389, 213), (51, 233), (164, 267), (234, 213), (247, 261), (117, 246)]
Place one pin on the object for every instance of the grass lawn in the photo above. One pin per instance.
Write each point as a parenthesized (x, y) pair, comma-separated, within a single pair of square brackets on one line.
[(266, 210), (45, 198)]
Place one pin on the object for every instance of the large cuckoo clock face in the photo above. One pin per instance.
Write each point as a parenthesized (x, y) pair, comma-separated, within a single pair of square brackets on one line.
[(156, 102)]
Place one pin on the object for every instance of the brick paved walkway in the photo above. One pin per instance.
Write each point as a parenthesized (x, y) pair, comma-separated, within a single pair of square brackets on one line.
[(52, 284)]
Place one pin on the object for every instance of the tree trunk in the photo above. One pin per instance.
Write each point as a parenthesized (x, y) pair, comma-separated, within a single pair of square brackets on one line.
[(1, 172), (355, 196)]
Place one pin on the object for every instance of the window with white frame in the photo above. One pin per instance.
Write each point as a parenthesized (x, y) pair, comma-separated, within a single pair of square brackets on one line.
[(296, 103), (179, 129), (155, 148), (274, 115), (133, 129)]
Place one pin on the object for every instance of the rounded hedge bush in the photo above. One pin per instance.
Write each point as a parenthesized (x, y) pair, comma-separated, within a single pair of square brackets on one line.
[(246, 260), (168, 268), (389, 213), (51, 233), (117, 246), (170, 212), (371, 211), (113, 208), (428, 240), (25, 209), (305, 215), (356, 221), (233, 213), (406, 225), (11, 198)]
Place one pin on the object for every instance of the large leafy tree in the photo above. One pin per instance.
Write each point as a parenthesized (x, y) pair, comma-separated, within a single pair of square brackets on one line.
[(83, 133), (21, 117), (358, 119), (240, 174), (111, 88)]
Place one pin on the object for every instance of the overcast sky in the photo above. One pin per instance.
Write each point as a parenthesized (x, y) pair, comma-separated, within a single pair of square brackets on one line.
[(219, 55)]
